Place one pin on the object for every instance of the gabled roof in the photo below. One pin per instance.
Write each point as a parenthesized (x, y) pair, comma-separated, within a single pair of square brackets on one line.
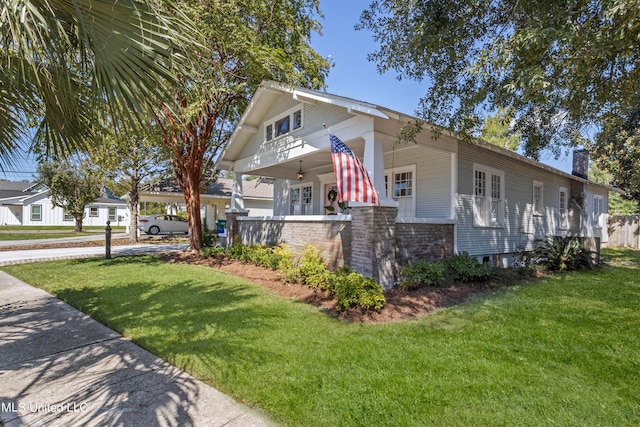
[(222, 188), (269, 90), (12, 192)]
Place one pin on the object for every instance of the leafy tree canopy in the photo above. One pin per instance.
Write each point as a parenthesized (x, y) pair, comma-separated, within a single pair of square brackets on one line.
[(562, 66), (246, 42), (72, 186), (617, 150), (497, 130)]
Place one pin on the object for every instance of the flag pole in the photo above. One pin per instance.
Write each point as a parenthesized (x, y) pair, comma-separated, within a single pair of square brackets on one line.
[(324, 125)]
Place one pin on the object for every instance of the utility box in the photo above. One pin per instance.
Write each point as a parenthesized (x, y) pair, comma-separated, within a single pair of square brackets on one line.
[(221, 226)]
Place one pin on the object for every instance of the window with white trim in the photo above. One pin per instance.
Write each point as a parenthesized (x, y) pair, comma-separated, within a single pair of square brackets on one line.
[(283, 124), (400, 185), (538, 202), (93, 212), (67, 216), (36, 212), (598, 209), (112, 214), (488, 197), (301, 200), (563, 209)]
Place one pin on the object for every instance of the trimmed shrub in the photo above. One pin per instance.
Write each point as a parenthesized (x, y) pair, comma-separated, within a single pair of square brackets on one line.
[(313, 270), (466, 269), (421, 273), (352, 289)]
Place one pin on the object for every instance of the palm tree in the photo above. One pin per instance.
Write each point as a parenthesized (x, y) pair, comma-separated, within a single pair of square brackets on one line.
[(64, 64)]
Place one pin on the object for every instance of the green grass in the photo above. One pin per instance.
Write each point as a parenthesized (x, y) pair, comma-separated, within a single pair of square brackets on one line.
[(564, 351), (18, 232)]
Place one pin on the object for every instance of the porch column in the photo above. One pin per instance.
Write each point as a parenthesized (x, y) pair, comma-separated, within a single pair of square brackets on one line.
[(373, 161), (234, 237), (237, 199), (373, 244)]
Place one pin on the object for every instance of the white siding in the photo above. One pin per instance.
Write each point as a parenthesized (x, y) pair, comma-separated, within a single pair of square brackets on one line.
[(522, 227), (313, 116), (432, 180)]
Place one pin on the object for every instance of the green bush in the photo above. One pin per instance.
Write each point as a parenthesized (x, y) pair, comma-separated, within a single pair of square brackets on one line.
[(465, 268), (313, 270), (211, 251), (286, 264), (352, 289), (563, 253), (421, 273)]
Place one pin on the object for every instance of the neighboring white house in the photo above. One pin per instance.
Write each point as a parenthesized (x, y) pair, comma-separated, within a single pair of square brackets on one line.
[(216, 197), (489, 202), (26, 203)]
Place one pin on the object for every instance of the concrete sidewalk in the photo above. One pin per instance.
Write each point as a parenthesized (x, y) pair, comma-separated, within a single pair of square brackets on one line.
[(59, 367), (32, 255)]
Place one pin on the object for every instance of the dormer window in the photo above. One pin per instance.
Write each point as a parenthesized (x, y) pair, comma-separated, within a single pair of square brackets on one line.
[(284, 124)]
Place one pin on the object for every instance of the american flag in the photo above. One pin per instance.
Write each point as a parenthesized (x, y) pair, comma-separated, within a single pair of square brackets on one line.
[(352, 178)]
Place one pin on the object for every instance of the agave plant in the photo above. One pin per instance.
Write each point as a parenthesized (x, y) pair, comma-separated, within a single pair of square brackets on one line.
[(563, 253)]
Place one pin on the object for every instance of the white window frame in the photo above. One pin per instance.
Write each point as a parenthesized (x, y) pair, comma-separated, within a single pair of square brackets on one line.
[(112, 214), (537, 201), (598, 203), (291, 114), (488, 205), (390, 185), (93, 209), (563, 208), (303, 208), (66, 216), (35, 216)]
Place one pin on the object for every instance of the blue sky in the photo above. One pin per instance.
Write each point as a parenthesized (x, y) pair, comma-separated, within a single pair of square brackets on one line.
[(352, 76)]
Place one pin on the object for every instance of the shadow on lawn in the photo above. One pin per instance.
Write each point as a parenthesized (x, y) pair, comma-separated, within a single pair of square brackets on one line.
[(45, 346)]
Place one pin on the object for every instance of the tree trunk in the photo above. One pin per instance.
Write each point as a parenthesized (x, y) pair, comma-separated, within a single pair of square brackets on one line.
[(78, 227), (134, 203), (192, 201)]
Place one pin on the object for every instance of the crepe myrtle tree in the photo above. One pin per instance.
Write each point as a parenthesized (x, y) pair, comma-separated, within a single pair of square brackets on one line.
[(246, 42)]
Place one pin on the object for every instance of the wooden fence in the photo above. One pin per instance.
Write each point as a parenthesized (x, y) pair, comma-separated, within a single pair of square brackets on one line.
[(624, 232)]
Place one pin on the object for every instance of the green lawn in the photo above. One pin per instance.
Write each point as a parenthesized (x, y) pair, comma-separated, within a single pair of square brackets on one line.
[(18, 232), (563, 351)]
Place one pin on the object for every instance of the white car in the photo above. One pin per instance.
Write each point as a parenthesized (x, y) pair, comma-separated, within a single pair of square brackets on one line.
[(163, 223)]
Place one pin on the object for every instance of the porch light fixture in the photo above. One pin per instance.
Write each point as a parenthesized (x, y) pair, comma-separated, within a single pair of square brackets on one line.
[(300, 173)]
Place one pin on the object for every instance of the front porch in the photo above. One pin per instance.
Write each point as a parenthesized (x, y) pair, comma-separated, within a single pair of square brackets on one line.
[(370, 240)]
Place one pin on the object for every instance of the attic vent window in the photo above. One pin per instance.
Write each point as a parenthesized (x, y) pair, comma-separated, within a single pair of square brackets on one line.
[(284, 124)]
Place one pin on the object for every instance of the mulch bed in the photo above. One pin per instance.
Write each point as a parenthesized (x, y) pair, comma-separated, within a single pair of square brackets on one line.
[(399, 305)]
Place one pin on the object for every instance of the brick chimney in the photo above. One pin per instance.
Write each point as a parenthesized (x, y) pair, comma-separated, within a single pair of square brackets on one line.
[(581, 163)]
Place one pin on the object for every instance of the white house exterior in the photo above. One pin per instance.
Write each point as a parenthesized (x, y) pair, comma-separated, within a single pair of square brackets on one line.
[(215, 198), (475, 198), (31, 206)]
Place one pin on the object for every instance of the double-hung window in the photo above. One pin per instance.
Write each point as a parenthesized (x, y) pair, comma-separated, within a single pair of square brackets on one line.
[(93, 211), (112, 214), (563, 209), (284, 124), (67, 216), (598, 205), (488, 197), (36, 212), (538, 202)]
